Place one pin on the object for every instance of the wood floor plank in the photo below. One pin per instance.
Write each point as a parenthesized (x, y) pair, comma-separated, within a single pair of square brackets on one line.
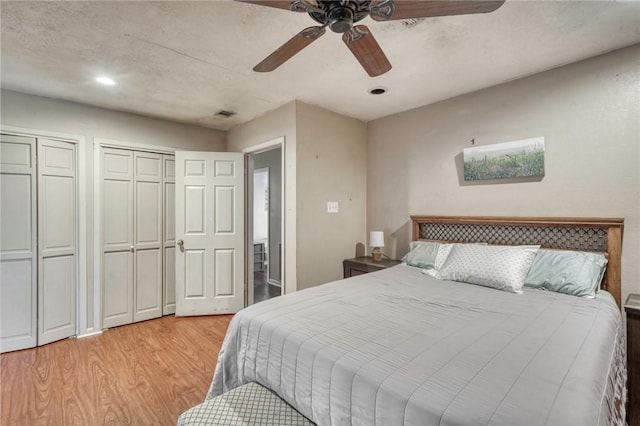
[(139, 374)]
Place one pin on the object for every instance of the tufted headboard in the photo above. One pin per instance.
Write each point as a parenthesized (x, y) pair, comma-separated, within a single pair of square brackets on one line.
[(584, 234)]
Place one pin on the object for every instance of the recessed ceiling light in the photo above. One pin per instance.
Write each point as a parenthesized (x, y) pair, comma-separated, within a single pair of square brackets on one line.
[(377, 90), (106, 81)]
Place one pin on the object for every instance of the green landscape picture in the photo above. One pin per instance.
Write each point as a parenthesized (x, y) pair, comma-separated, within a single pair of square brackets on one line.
[(523, 158)]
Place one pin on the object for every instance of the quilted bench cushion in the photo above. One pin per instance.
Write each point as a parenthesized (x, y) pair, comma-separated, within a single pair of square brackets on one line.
[(248, 405)]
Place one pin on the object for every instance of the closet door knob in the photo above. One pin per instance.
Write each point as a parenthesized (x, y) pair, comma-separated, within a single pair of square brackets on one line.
[(180, 243), (132, 248)]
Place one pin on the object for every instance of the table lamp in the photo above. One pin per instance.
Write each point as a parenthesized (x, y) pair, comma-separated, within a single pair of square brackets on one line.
[(376, 240)]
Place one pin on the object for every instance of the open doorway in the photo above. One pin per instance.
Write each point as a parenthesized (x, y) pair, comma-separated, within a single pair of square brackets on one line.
[(265, 224)]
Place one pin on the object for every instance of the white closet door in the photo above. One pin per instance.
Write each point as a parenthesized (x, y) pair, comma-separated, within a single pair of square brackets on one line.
[(148, 236), (56, 241), (117, 237), (169, 276), (18, 237)]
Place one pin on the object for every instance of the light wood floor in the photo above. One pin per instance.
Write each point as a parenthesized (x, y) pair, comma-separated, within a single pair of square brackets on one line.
[(140, 374)]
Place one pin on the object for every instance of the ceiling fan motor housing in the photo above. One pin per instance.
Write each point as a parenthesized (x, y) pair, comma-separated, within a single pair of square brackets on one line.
[(340, 15)]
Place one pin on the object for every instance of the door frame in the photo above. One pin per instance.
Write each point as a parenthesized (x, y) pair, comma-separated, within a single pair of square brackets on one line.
[(98, 145), (84, 324), (250, 210), (248, 155)]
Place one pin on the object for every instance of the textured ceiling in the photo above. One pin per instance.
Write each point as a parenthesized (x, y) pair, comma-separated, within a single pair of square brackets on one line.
[(185, 61)]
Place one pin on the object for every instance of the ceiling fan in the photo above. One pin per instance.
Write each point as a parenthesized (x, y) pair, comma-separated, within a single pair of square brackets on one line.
[(341, 15)]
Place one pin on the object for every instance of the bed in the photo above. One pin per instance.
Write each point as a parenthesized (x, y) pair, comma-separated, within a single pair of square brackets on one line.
[(400, 347)]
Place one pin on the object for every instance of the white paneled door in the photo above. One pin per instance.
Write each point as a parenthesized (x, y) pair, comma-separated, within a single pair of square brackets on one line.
[(117, 237), (169, 276), (57, 255), (148, 236), (38, 240), (209, 265), (18, 237), (135, 235)]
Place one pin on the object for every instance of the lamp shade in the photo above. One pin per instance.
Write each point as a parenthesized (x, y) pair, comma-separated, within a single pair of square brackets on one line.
[(376, 239)]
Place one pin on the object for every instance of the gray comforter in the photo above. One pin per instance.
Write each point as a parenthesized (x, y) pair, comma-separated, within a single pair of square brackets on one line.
[(397, 347)]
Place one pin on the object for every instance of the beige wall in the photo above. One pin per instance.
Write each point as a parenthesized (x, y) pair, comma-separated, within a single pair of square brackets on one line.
[(50, 115), (37, 112), (588, 113), (325, 160), (331, 167), (279, 124)]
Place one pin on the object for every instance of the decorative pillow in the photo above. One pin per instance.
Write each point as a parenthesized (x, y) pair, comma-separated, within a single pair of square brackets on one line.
[(443, 252), (501, 267), (421, 254), (571, 272)]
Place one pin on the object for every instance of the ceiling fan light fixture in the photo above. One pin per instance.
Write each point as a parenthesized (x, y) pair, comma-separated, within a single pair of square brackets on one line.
[(340, 19)]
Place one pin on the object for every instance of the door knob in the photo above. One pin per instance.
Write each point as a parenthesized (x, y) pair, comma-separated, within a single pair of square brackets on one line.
[(180, 243), (132, 249)]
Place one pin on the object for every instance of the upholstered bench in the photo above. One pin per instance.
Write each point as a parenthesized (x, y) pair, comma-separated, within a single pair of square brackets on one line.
[(248, 405)]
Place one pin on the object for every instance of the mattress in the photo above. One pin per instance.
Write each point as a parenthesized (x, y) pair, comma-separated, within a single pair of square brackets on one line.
[(397, 347)]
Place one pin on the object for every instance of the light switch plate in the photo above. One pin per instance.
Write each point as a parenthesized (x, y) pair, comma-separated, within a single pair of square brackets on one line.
[(332, 207)]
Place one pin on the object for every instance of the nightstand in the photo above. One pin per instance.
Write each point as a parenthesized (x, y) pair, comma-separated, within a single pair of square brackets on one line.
[(632, 308), (364, 265)]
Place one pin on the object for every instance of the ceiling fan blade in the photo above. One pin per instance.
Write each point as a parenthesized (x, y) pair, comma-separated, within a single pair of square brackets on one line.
[(366, 50), (289, 49), (388, 10), (280, 4)]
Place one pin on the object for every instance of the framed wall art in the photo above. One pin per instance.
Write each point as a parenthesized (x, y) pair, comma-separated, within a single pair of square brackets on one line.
[(523, 158)]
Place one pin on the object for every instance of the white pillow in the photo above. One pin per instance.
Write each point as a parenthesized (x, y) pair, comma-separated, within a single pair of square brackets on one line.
[(501, 267)]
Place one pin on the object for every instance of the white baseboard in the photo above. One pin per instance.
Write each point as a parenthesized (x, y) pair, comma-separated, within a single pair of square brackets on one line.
[(95, 333)]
